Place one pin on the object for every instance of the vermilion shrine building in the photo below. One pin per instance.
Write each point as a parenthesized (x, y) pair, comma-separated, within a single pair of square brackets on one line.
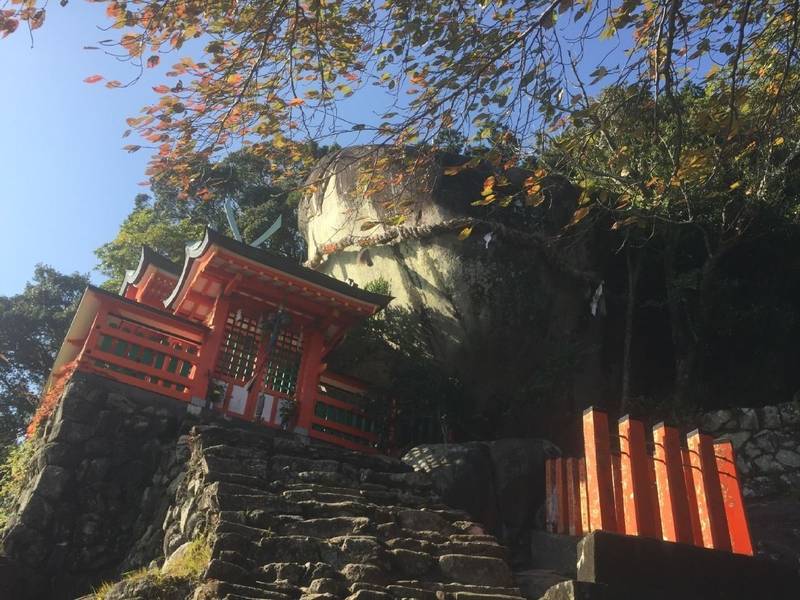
[(240, 330)]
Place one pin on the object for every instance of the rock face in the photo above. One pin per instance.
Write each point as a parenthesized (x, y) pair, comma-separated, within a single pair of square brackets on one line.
[(767, 444), (500, 483), (109, 458), (125, 480), (489, 309)]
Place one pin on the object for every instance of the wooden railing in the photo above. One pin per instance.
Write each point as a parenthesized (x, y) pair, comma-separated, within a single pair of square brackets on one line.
[(129, 351), (688, 494), (340, 416)]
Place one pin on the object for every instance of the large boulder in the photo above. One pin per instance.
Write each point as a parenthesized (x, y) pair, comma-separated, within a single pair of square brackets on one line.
[(462, 474), (499, 483), (506, 311)]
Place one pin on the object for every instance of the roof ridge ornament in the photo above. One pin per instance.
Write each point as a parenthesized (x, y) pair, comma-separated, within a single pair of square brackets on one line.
[(237, 234)]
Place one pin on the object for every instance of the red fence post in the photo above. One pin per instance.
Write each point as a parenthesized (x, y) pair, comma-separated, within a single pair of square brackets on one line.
[(619, 499), (710, 507), (738, 527), (694, 516), (636, 481), (584, 496), (672, 500), (562, 509), (599, 479), (574, 524)]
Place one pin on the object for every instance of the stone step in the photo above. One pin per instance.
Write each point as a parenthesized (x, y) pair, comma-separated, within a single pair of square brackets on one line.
[(293, 464), (304, 495), (317, 509), (225, 589), (324, 488), (326, 527), (475, 549), (476, 570), (322, 478)]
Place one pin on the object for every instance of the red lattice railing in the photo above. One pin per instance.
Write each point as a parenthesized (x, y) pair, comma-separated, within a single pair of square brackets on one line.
[(141, 355), (688, 494), (340, 416)]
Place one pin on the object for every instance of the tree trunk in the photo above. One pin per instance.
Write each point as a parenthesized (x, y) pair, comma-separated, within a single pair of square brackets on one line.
[(689, 324), (634, 266), (684, 342)]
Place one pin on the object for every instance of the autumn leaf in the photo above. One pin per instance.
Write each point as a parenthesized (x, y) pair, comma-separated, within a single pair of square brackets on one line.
[(295, 102), (624, 222), (368, 225), (735, 185), (161, 89), (450, 171), (464, 233), (93, 79), (578, 215), (37, 20), (131, 148), (153, 61)]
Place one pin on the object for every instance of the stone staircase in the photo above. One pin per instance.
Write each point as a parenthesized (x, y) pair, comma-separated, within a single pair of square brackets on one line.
[(293, 520)]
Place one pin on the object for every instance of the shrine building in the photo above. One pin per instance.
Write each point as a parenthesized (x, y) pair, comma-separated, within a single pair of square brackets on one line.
[(238, 330)]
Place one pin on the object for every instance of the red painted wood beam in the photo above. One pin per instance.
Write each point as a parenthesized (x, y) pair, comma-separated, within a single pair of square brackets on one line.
[(562, 507), (672, 500), (710, 507), (691, 497), (574, 525), (584, 496), (738, 527), (599, 479), (636, 480), (616, 474)]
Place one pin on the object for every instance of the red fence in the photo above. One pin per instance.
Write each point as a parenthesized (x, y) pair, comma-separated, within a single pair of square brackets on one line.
[(685, 494), (129, 351), (340, 415)]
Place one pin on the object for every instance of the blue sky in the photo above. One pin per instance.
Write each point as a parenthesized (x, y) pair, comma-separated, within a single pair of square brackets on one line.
[(66, 182)]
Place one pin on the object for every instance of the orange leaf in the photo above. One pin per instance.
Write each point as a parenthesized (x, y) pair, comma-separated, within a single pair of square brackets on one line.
[(93, 79), (579, 214), (296, 102), (161, 89)]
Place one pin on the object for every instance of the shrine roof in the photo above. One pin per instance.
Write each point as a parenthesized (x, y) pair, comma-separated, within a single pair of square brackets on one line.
[(275, 262), (149, 257)]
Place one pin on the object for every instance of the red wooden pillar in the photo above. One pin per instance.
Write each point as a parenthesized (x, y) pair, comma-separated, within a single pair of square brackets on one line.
[(562, 507), (636, 480), (672, 501), (599, 479), (738, 528), (710, 507), (654, 505), (691, 497), (209, 348), (550, 496), (584, 496), (616, 476), (574, 524), (308, 380)]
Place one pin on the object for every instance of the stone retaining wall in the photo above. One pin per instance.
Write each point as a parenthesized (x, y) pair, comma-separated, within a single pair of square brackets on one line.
[(110, 459), (767, 444)]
